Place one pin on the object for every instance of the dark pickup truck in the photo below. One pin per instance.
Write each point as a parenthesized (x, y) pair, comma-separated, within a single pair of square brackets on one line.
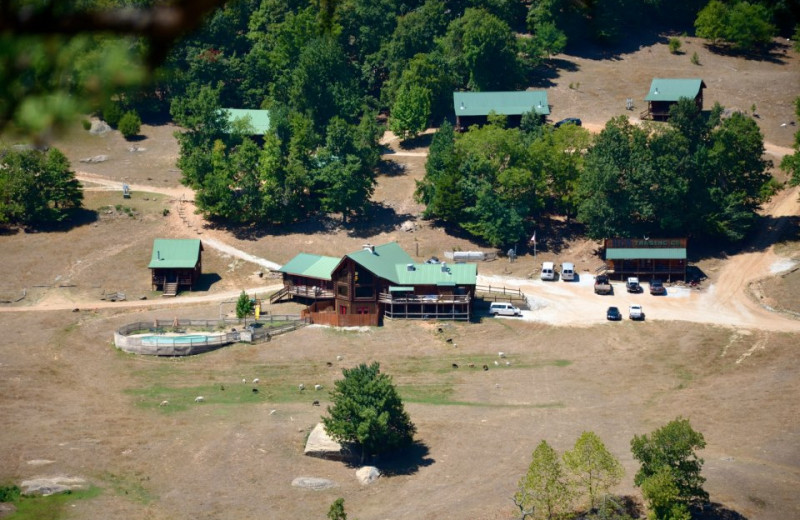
[(602, 285), (657, 287)]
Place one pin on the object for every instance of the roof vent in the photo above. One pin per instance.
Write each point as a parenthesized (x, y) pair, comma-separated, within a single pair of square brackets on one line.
[(445, 269), (410, 267), (158, 254), (655, 91), (369, 247)]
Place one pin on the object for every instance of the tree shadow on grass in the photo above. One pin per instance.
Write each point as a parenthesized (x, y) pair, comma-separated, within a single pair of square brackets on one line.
[(420, 141), (545, 74), (75, 218), (775, 53), (715, 511), (379, 218), (390, 168), (406, 462)]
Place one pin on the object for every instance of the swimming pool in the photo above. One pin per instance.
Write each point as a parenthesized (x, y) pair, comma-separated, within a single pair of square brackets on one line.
[(187, 339)]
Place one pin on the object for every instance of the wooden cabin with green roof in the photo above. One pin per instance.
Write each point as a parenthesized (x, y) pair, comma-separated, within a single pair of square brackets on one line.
[(365, 286), (662, 258), (175, 263), (666, 92), (473, 108)]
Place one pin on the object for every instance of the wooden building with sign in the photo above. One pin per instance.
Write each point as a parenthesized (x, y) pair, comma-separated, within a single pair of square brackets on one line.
[(363, 287), (663, 258)]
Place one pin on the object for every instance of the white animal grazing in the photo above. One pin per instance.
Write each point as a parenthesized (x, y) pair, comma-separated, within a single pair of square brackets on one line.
[(301, 387), (317, 387), (164, 403), (199, 399), (497, 363), (244, 380), (339, 358), (272, 412), (508, 363), (256, 381), (501, 354)]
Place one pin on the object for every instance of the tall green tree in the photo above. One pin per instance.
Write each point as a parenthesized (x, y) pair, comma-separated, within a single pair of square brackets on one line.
[(37, 188), (484, 47), (672, 451), (368, 412), (410, 111), (593, 466), (544, 490), (243, 306), (337, 512), (660, 491), (744, 25)]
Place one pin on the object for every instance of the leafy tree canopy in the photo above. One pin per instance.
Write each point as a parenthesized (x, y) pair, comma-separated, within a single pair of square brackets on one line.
[(544, 490), (368, 412), (36, 188)]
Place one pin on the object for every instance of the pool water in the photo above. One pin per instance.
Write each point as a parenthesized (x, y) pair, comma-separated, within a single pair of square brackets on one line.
[(177, 340)]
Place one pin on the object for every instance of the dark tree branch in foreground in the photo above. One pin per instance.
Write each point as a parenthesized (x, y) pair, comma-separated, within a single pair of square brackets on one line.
[(161, 25)]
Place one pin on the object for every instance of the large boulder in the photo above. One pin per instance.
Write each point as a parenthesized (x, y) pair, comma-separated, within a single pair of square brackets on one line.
[(320, 444), (99, 127), (51, 485), (367, 475)]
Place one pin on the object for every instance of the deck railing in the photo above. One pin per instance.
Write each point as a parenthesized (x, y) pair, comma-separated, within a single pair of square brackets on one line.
[(423, 298), (310, 291)]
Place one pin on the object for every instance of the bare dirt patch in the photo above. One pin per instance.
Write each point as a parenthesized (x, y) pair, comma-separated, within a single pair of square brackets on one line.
[(66, 395)]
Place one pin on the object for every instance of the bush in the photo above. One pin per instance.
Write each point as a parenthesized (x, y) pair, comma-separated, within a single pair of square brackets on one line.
[(695, 59), (112, 113), (87, 125), (9, 493), (674, 45), (130, 124)]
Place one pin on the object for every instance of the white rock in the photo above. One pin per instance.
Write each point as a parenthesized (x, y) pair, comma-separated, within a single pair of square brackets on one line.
[(313, 483), (99, 127), (367, 475), (50, 485), (320, 444), (95, 159)]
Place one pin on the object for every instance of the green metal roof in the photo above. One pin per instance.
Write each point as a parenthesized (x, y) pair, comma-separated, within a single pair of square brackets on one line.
[(400, 289), (504, 103), (674, 253), (432, 274), (258, 119), (663, 89), (312, 266), (381, 260), (175, 253)]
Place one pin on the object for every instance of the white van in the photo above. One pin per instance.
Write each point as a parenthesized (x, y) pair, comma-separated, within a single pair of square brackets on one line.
[(567, 271), (504, 309), (548, 271)]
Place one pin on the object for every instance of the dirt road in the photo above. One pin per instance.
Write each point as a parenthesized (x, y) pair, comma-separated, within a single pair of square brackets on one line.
[(726, 302)]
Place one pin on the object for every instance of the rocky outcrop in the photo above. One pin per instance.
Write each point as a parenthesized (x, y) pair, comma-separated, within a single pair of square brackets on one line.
[(51, 485), (320, 444), (313, 483), (367, 475)]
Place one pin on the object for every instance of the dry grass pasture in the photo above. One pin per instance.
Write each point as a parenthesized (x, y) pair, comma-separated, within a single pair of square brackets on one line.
[(71, 404)]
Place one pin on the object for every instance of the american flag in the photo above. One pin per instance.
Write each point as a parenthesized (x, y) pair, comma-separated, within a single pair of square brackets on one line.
[(533, 238)]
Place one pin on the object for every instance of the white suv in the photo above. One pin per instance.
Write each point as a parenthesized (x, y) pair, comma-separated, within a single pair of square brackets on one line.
[(504, 309)]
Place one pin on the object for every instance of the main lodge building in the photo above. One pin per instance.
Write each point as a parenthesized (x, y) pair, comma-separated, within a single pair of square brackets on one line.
[(363, 287)]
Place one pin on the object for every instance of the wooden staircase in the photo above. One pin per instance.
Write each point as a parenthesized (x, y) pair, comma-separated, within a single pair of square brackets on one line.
[(170, 289), (278, 296)]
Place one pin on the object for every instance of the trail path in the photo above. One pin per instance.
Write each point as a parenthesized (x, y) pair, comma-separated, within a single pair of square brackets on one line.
[(725, 302)]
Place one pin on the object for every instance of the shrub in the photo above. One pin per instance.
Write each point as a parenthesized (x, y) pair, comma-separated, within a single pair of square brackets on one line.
[(9, 493), (130, 124), (695, 59), (112, 113), (87, 125), (674, 45)]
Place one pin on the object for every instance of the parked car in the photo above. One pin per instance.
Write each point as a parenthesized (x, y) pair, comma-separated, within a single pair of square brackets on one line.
[(635, 312), (548, 271), (602, 285), (657, 287), (568, 121), (633, 285), (613, 314), (504, 309)]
